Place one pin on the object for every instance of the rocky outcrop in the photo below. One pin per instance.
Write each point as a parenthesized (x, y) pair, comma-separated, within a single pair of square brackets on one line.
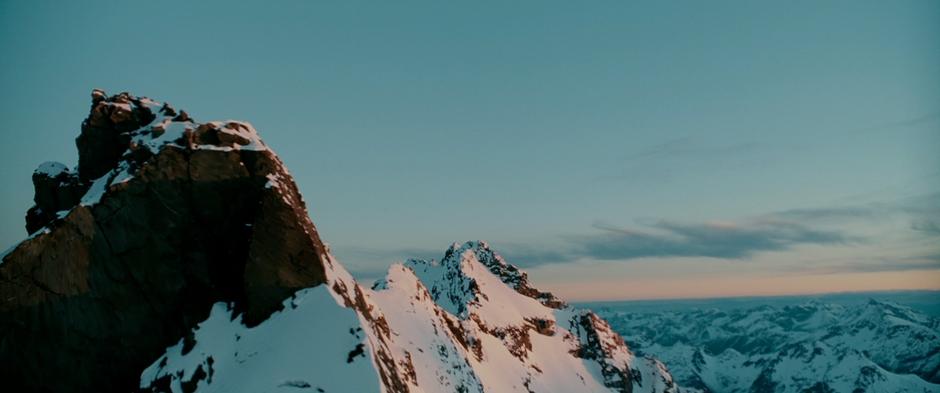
[(56, 189), (163, 218), (106, 133), (507, 273)]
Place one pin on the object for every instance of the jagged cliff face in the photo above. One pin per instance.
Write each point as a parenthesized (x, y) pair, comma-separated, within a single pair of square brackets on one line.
[(179, 256), (163, 218)]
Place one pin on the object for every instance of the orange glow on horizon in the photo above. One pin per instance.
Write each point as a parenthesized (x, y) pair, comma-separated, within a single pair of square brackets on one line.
[(713, 287)]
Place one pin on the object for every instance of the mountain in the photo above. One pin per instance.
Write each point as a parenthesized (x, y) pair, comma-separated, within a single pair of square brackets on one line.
[(179, 256), (812, 347)]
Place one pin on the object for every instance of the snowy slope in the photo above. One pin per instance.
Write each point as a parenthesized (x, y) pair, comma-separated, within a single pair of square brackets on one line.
[(875, 347), (513, 342), (224, 356), (469, 323)]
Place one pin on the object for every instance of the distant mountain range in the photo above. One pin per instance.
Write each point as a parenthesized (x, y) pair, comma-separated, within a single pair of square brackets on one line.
[(872, 346)]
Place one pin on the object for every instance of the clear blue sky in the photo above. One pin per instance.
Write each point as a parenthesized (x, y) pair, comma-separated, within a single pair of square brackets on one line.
[(626, 144)]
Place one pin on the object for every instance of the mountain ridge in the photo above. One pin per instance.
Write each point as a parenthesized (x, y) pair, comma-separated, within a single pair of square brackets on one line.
[(179, 256), (515, 344)]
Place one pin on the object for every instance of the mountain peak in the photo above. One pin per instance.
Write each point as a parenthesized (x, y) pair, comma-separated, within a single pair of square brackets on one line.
[(480, 252), (502, 332), (163, 217), (180, 256)]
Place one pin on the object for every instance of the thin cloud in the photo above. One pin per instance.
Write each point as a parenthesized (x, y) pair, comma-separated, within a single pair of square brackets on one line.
[(923, 211), (687, 147), (665, 239), (367, 262), (773, 232), (715, 240), (884, 264), (927, 226), (926, 118), (529, 256), (664, 160), (661, 162), (834, 213)]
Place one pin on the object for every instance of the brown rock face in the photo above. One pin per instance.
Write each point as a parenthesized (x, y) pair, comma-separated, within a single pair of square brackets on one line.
[(177, 216), (56, 189), (106, 132), (599, 344)]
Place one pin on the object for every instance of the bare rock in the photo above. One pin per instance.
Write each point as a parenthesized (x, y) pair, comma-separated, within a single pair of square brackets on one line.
[(56, 189), (160, 236), (104, 136)]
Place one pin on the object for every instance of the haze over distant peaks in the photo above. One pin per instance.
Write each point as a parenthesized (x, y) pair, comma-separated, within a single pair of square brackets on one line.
[(874, 346)]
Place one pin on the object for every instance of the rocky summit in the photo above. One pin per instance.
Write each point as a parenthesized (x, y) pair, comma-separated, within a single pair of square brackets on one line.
[(178, 256)]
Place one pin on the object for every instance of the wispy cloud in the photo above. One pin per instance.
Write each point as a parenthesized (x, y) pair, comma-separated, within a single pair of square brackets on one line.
[(876, 264), (665, 160), (927, 225), (926, 118), (773, 232), (716, 240), (839, 213), (372, 262), (526, 256), (925, 211), (668, 239), (688, 147)]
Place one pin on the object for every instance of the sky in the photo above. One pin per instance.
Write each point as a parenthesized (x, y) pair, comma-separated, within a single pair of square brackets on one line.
[(614, 150)]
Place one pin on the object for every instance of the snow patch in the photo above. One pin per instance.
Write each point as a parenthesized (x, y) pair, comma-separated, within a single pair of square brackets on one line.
[(51, 169)]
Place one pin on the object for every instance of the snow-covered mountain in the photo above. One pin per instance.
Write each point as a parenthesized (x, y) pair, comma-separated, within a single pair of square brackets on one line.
[(179, 257), (813, 347), (465, 324)]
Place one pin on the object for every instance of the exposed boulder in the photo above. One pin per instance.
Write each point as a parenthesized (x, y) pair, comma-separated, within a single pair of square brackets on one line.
[(56, 189), (106, 132)]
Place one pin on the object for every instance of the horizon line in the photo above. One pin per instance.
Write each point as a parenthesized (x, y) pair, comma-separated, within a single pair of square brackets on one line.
[(756, 296)]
